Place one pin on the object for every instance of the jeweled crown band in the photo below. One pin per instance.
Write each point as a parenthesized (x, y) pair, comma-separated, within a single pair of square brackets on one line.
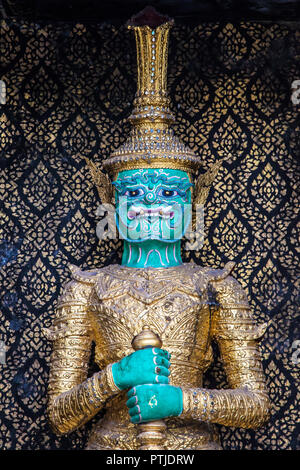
[(152, 148)]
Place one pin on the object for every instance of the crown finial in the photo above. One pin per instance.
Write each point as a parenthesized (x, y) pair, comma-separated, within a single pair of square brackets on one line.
[(148, 17)]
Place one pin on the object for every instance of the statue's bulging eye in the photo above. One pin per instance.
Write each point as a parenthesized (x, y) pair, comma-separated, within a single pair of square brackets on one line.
[(134, 192), (168, 192)]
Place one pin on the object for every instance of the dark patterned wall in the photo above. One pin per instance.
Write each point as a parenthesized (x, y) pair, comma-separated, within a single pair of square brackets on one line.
[(69, 91)]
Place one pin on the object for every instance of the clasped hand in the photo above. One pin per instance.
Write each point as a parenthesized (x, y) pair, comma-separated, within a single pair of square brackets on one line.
[(145, 373)]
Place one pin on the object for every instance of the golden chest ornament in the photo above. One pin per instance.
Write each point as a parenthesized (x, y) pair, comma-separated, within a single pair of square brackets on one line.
[(176, 303), (172, 302)]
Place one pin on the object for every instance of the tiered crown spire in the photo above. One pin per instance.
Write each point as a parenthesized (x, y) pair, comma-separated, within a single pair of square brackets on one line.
[(152, 103), (152, 143)]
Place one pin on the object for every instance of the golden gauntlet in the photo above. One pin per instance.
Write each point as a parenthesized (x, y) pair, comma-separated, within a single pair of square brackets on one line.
[(242, 408)]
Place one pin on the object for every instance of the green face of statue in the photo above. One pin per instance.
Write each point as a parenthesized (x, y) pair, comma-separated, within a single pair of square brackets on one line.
[(153, 204)]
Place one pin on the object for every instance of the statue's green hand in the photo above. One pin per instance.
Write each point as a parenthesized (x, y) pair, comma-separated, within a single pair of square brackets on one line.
[(146, 366), (151, 402)]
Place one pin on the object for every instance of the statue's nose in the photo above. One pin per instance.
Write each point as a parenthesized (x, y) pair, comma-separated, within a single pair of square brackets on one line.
[(150, 198)]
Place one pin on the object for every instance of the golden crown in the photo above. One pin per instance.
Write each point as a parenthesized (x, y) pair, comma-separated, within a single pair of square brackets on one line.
[(151, 143)]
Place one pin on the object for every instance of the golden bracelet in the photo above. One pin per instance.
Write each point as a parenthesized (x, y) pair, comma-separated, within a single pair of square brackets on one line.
[(109, 380)]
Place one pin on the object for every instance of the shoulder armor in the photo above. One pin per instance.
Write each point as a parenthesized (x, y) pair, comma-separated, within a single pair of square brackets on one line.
[(220, 274), (78, 289), (71, 305), (205, 277), (229, 291), (234, 320), (88, 277)]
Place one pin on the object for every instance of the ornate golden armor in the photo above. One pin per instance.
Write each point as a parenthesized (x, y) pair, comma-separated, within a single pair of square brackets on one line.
[(186, 305)]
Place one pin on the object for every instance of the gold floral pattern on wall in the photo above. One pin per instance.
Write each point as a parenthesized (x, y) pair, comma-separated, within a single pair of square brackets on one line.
[(70, 88)]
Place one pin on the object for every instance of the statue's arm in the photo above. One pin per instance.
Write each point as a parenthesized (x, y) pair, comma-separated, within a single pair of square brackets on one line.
[(245, 404), (73, 398)]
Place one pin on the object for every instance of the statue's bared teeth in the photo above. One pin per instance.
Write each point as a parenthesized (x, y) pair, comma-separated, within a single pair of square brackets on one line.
[(165, 213)]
